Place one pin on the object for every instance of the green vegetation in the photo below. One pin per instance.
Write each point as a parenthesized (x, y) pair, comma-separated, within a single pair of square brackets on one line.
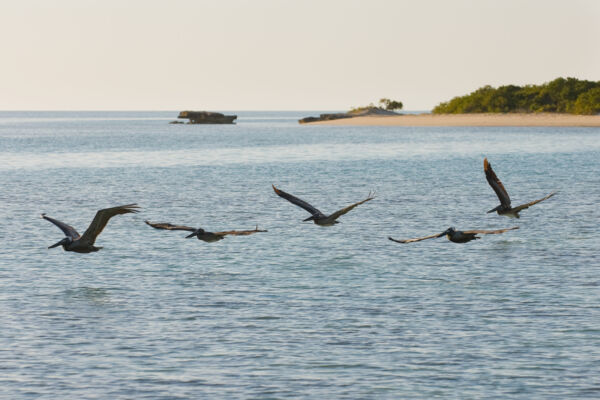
[(561, 95), (384, 104), (391, 105)]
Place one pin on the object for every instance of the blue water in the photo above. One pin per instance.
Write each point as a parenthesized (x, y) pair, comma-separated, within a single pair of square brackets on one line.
[(301, 311)]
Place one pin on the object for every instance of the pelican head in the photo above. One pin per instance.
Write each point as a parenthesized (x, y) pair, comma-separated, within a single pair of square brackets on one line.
[(449, 231), (64, 242), (197, 232)]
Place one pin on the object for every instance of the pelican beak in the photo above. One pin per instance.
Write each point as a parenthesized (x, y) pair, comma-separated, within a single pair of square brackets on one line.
[(312, 217), (493, 209), (57, 244), (191, 235)]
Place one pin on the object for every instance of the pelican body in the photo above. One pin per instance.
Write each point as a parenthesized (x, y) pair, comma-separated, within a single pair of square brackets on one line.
[(317, 216), (456, 236), (505, 206), (460, 236), (85, 243), (200, 233), (205, 236)]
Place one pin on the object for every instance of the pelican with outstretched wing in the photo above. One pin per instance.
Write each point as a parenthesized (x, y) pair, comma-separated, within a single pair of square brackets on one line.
[(200, 233), (505, 208), (317, 216), (85, 243), (456, 236)]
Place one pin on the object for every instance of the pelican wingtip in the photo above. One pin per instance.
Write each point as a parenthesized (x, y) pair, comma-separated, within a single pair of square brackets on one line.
[(134, 208)]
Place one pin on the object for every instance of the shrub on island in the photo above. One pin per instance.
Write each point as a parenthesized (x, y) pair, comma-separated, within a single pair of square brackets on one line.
[(561, 95), (384, 104)]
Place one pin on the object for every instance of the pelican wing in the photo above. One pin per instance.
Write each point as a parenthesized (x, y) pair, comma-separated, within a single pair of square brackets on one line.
[(296, 201), (527, 205), (240, 233), (496, 184), (493, 232), (101, 219), (68, 230), (344, 210), (170, 227), (437, 235)]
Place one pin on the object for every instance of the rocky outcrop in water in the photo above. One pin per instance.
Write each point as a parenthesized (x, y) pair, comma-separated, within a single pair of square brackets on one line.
[(350, 114), (324, 117), (207, 117)]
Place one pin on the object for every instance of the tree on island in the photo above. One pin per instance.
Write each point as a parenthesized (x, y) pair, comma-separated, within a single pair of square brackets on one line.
[(561, 95), (391, 105), (384, 104), (588, 102)]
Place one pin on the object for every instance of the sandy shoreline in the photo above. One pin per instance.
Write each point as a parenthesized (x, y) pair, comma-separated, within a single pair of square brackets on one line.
[(544, 119)]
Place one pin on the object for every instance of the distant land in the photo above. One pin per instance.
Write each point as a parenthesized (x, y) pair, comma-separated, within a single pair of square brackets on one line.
[(478, 119), (363, 112), (570, 95), (205, 117), (561, 102), (386, 107)]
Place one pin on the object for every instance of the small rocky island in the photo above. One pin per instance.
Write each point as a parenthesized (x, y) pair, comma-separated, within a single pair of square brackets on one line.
[(205, 117), (349, 114), (386, 107)]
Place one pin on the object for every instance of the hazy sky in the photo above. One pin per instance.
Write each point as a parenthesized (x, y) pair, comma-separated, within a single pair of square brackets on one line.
[(284, 55)]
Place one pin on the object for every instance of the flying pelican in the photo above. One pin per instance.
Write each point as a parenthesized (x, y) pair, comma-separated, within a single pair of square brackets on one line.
[(456, 236), (317, 216), (504, 208), (200, 233), (85, 243)]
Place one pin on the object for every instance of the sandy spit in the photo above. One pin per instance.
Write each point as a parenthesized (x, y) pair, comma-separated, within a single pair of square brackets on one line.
[(542, 119)]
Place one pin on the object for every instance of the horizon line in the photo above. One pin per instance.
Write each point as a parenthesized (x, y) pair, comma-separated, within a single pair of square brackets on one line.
[(178, 110)]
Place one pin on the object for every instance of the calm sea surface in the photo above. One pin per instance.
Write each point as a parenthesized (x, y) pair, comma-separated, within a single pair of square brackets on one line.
[(301, 311)]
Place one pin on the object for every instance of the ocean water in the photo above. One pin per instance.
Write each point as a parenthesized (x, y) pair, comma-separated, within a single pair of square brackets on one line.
[(301, 311)]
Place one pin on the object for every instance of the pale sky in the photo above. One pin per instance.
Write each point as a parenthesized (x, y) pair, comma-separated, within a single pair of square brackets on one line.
[(284, 55)]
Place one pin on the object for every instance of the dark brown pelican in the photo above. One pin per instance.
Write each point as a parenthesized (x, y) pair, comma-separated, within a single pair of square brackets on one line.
[(85, 243), (200, 233), (504, 208), (317, 216), (456, 236)]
